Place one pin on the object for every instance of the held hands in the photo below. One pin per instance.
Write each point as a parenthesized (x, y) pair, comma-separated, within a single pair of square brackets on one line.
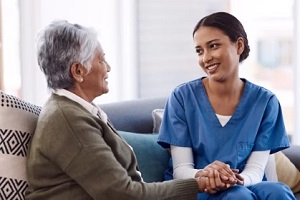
[(239, 178), (216, 177)]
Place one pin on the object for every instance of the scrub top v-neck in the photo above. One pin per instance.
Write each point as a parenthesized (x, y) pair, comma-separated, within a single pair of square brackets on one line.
[(190, 121)]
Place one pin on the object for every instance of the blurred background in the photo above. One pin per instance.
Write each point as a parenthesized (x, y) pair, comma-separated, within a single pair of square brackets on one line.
[(149, 45)]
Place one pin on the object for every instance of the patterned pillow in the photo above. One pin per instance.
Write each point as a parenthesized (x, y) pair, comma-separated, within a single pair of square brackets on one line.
[(17, 123)]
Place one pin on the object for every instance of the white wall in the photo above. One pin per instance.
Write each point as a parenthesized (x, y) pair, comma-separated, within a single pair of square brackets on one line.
[(297, 72), (103, 15), (10, 35), (148, 43)]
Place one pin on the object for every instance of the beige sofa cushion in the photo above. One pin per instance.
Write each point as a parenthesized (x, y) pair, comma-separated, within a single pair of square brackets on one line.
[(287, 172)]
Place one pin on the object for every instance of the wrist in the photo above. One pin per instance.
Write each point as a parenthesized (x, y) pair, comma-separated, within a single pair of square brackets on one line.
[(198, 173), (201, 183)]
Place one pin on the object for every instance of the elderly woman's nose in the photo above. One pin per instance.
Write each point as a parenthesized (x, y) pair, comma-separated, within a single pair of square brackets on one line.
[(108, 66)]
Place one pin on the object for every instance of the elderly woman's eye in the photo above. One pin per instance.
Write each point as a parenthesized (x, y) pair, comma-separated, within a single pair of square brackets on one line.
[(103, 62)]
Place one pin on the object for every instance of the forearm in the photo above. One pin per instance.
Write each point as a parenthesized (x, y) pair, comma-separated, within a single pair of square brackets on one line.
[(184, 171), (183, 162), (255, 167)]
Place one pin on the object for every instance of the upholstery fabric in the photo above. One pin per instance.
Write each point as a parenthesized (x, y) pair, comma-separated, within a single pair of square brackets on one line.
[(133, 115), (287, 172), (152, 159), (157, 115), (17, 124)]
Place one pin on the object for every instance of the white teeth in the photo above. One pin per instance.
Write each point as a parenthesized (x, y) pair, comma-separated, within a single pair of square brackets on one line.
[(212, 67)]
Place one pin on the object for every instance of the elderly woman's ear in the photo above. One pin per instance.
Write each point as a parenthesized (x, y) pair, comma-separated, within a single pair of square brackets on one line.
[(78, 71)]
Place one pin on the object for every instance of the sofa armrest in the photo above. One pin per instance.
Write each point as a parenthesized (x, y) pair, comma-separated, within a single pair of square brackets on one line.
[(293, 153)]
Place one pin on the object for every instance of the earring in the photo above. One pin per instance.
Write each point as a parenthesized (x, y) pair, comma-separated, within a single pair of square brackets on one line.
[(80, 79)]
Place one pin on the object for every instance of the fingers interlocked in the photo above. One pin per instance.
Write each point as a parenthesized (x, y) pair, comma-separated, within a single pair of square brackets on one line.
[(219, 176)]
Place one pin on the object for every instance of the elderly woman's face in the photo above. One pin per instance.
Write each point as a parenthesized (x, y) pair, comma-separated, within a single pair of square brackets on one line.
[(96, 80)]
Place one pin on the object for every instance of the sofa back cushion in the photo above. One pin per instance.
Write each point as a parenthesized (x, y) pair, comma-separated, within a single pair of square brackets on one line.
[(153, 160), (133, 115), (17, 124)]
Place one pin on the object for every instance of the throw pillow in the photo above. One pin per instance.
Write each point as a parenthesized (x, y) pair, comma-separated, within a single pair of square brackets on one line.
[(17, 124), (157, 115), (287, 172), (152, 159)]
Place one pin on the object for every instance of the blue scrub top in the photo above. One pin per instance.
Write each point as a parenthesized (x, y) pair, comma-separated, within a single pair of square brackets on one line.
[(190, 121)]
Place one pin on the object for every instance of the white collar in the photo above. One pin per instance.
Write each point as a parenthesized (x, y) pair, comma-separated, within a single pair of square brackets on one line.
[(91, 107)]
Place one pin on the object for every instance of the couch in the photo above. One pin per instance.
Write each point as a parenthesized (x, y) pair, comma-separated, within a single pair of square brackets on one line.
[(135, 121)]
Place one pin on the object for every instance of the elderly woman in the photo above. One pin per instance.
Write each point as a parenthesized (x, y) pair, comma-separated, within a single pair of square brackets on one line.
[(75, 152)]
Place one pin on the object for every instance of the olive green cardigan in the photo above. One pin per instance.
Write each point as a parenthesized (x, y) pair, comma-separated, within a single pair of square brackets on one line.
[(75, 155)]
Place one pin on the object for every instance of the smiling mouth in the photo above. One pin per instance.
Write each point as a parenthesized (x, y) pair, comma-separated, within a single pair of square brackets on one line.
[(105, 79), (212, 68)]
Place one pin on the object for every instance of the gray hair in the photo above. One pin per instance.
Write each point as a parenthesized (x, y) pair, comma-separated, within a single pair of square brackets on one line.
[(60, 45)]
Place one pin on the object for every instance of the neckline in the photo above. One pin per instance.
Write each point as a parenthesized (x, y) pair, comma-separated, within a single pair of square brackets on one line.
[(237, 111)]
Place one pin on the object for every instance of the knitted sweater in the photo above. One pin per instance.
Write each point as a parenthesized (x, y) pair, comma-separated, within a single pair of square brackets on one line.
[(75, 155)]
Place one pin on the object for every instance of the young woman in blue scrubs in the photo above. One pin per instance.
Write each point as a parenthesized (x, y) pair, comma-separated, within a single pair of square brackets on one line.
[(222, 128)]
